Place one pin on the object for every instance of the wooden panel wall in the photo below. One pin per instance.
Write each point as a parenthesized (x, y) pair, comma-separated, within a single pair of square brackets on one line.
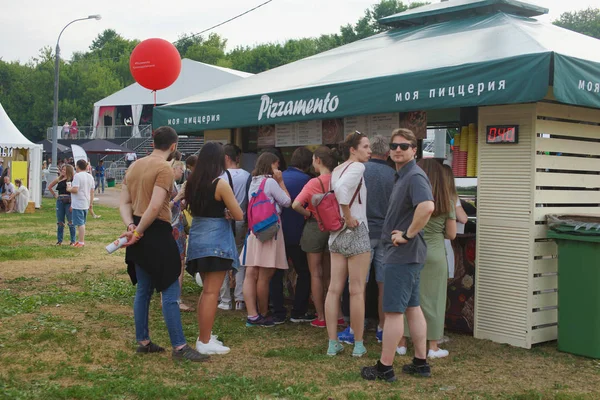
[(567, 181)]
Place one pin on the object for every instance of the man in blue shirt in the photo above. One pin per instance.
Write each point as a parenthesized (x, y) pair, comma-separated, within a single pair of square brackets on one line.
[(294, 177), (411, 205), (100, 176)]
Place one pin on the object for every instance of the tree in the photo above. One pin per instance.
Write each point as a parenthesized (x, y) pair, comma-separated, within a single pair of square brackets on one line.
[(209, 51), (584, 21)]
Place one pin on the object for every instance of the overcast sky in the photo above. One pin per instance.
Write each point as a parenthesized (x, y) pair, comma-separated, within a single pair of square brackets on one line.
[(27, 26)]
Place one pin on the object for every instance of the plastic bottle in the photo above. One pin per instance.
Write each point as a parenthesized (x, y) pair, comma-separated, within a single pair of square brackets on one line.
[(117, 244)]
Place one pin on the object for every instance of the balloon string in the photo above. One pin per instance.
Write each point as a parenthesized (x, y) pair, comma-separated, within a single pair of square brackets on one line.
[(154, 98)]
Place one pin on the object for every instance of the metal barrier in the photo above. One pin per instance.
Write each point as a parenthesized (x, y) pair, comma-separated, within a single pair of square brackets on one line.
[(102, 132)]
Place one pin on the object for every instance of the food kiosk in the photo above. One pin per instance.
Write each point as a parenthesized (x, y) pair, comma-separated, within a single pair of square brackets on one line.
[(23, 157), (523, 93)]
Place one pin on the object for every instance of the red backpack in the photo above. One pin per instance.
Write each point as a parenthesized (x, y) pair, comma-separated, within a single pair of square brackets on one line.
[(328, 209)]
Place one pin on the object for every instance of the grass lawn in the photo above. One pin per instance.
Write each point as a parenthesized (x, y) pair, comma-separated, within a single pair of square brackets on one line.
[(66, 332)]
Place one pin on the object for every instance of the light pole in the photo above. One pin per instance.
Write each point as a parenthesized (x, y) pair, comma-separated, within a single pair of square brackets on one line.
[(55, 115)]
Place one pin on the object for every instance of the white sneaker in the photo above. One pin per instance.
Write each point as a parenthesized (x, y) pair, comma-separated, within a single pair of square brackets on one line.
[(440, 353), (215, 339), (401, 350), (211, 348), (199, 280), (224, 306), (240, 306)]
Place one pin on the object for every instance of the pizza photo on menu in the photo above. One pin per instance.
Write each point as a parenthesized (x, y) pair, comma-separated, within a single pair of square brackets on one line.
[(333, 131), (266, 136), (416, 121)]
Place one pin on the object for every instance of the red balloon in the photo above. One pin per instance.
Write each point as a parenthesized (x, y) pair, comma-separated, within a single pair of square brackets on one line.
[(155, 64)]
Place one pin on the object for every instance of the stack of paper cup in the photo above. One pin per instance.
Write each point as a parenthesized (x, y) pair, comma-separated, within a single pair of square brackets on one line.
[(472, 151)]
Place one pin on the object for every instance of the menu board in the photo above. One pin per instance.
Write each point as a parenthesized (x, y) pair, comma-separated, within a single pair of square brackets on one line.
[(310, 132), (383, 124), (370, 125), (285, 135), (266, 136), (298, 134), (359, 123)]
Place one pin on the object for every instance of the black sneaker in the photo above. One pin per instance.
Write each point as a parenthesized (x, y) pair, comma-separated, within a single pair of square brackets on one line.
[(372, 373), (187, 353), (420, 370), (304, 318), (149, 348), (265, 322), (278, 319)]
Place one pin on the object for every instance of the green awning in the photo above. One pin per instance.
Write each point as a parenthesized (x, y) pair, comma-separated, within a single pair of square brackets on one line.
[(446, 10), (481, 60)]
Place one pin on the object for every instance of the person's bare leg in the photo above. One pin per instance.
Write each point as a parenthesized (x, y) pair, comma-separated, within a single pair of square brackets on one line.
[(81, 233), (262, 289), (315, 266), (392, 333), (207, 303), (380, 305), (358, 267), (249, 290), (339, 275), (433, 345), (418, 331)]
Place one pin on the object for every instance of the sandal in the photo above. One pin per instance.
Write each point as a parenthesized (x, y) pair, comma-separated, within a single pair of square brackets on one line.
[(185, 308)]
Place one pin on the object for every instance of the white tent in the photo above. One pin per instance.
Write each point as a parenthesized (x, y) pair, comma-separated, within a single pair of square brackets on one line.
[(195, 78), (12, 139)]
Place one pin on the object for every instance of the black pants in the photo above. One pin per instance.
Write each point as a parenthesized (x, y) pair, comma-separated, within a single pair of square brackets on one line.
[(302, 293)]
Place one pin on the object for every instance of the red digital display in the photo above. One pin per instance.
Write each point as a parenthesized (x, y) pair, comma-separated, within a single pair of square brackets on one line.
[(502, 134)]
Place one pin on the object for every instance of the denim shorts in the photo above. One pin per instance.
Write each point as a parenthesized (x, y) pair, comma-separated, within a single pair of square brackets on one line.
[(401, 287), (79, 217), (377, 253)]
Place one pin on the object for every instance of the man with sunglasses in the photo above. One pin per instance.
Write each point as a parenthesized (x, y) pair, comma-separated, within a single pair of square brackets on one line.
[(411, 206)]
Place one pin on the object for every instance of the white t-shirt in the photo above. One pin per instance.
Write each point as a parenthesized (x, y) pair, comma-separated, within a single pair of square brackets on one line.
[(240, 179), (344, 187), (131, 156), (85, 183)]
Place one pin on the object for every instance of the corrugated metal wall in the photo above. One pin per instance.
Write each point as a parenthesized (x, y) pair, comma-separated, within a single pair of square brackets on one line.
[(504, 225)]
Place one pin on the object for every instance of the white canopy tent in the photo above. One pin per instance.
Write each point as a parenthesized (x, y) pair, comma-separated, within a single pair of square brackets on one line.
[(11, 141), (195, 78)]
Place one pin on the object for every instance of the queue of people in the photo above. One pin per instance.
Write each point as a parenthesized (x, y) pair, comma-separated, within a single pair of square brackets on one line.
[(247, 229)]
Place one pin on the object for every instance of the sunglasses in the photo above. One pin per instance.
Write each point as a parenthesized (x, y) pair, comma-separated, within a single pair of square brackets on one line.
[(359, 133), (403, 146)]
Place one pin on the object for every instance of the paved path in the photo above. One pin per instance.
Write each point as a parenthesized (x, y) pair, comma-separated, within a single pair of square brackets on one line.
[(110, 197)]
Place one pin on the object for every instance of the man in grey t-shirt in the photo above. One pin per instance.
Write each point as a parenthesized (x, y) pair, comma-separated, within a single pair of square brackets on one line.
[(379, 179), (411, 205)]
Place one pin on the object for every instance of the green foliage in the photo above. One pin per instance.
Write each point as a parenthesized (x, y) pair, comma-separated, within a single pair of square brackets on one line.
[(26, 89), (584, 21)]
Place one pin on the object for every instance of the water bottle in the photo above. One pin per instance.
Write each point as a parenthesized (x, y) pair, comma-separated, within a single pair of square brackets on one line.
[(117, 244)]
